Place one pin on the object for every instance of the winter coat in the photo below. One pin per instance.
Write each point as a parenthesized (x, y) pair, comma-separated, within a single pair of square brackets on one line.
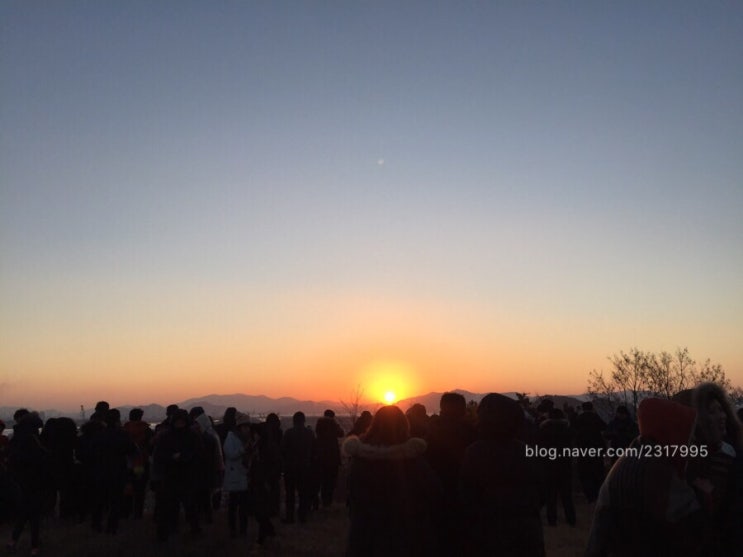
[(392, 493), (111, 448), (555, 435), (235, 471), (501, 492), (621, 432), (297, 451), (176, 458), (29, 463), (327, 449), (448, 439), (645, 507)]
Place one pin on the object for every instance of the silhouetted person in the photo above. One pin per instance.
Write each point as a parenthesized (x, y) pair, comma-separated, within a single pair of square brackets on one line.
[(555, 436), (718, 475), (392, 490), (621, 430), (271, 437), (500, 488), (589, 429), (176, 459), (59, 436), (138, 465), (545, 406), (644, 507), (297, 456), (206, 466), (28, 466), (161, 429), (265, 460), (86, 457), (418, 420), (361, 424), (237, 457), (111, 448), (227, 424), (449, 435), (327, 455)]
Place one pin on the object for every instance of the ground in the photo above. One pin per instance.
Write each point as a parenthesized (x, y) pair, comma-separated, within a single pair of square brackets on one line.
[(323, 536)]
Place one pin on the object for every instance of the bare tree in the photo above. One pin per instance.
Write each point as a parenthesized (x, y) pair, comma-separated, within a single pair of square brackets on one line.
[(712, 373), (600, 387), (667, 374), (353, 406), (629, 374), (661, 375)]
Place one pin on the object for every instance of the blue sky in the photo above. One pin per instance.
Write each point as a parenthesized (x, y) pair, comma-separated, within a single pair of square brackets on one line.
[(283, 175)]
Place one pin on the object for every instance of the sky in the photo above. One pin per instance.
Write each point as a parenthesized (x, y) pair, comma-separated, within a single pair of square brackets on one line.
[(310, 198)]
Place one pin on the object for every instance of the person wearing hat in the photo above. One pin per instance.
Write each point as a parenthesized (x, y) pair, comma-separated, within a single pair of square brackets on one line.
[(236, 465), (645, 507)]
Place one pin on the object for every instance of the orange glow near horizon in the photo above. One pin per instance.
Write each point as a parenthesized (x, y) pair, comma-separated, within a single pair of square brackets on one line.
[(389, 380)]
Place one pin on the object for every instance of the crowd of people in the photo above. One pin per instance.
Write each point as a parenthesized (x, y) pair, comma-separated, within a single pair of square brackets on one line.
[(459, 482)]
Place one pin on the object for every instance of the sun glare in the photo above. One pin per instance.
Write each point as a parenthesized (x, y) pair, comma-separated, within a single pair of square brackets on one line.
[(389, 380)]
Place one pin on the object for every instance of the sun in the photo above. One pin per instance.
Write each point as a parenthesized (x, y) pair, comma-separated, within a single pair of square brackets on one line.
[(389, 380)]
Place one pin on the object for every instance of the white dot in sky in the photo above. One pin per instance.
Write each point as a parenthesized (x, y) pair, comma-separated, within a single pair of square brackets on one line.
[(380, 162)]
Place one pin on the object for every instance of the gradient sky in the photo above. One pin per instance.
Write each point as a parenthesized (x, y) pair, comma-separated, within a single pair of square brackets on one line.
[(299, 198)]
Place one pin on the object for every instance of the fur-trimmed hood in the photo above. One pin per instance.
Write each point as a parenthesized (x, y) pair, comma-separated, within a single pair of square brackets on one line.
[(702, 397), (412, 448)]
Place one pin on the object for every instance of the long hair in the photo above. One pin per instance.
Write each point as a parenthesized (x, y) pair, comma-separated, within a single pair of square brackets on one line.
[(389, 427)]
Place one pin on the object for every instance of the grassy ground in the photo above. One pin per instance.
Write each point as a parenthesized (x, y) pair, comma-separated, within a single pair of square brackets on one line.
[(324, 535)]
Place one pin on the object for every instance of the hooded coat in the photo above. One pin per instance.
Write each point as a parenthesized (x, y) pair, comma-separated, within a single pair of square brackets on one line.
[(501, 490), (392, 491), (235, 471)]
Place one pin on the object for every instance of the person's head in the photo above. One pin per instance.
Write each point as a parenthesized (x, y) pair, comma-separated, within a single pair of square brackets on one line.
[(228, 419), (31, 421), (389, 426), (273, 420), (135, 414), (587, 406), (452, 405), (416, 412), (179, 419), (328, 414), (170, 411), (298, 419), (242, 425), (621, 412), (716, 420), (18, 415), (557, 414), (362, 423), (545, 406), (499, 417), (195, 412), (112, 418), (102, 406)]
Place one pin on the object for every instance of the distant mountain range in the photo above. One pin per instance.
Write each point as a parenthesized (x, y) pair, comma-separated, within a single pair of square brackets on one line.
[(257, 406)]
